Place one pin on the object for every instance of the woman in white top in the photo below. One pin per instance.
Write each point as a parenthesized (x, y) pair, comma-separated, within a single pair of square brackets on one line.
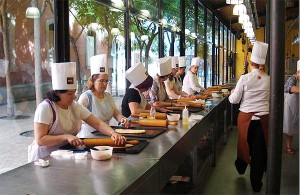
[(100, 103), (58, 119), (252, 92), (171, 87), (190, 82)]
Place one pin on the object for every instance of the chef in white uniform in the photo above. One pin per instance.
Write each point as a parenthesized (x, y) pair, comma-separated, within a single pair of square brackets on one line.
[(180, 72), (291, 109), (172, 82), (190, 82), (158, 93), (252, 92), (100, 103), (134, 101), (57, 120)]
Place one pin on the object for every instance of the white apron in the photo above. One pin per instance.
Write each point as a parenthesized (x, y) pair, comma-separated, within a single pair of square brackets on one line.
[(291, 114), (102, 109), (36, 152)]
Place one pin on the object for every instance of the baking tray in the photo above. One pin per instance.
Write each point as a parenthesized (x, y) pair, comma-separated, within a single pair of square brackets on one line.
[(150, 131), (132, 150)]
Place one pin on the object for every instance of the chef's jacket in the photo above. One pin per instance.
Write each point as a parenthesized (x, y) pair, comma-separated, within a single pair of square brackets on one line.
[(252, 90), (191, 84)]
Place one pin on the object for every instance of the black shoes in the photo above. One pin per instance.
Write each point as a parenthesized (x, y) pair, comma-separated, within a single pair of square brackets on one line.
[(256, 187), (240, 166)]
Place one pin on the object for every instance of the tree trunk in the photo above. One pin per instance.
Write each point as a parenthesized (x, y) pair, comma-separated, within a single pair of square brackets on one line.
[(37, 58), (73, 43), (4, 30)]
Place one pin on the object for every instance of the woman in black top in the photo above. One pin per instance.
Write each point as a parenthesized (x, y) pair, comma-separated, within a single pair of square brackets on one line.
[(134, 101)]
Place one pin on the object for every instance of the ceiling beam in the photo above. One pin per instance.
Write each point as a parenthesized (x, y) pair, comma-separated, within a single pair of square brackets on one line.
[(210, 6)]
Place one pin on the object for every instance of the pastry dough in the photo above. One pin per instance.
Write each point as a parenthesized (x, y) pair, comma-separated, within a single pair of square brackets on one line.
[(131, 131)]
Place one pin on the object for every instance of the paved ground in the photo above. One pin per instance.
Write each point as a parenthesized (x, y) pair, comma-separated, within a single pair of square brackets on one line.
[(13, 146)]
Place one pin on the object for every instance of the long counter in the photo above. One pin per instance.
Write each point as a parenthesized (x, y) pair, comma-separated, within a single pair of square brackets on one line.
[(145, 172)]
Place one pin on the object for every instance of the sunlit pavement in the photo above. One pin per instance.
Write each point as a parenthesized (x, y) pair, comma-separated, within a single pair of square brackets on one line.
[(13, 146)]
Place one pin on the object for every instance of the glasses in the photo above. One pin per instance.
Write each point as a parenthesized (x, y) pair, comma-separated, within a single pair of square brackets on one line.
[(103, 80)]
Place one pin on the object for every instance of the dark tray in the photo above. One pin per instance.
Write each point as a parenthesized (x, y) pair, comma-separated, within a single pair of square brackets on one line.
[(150, 131), (132, 150), (191, 110)]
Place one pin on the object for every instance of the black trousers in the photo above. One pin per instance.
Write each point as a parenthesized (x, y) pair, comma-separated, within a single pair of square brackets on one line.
[(258, 154)]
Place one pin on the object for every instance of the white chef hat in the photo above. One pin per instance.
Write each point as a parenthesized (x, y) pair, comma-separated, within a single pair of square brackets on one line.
[(63, 75), (139, 77), (182, 61), (298, 65), (164, 66), (99, 64), (259, 52), (175, 62), (195, 61)]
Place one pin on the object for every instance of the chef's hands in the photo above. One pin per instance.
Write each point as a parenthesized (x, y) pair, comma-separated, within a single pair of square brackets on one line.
[(73, 140), (118, 139), (125, 122)]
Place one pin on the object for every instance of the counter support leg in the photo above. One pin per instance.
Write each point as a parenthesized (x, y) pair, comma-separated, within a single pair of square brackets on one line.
[(194, 155)]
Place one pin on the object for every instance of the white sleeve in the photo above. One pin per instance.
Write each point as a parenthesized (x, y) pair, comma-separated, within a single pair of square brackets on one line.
[(84, 100), (237, 95), (192, 83), (43, 114)]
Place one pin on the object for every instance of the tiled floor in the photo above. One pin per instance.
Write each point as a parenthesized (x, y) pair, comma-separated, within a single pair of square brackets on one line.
[(221, 179), (224, 179)]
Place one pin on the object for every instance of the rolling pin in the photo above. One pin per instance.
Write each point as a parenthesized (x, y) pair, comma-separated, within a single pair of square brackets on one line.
[(106, 142), (151, 122), (157, 115), (186, 99), (192, 104)]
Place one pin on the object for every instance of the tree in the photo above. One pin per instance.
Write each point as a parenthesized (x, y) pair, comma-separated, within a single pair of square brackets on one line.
[(4, 33), (37, 50), (88, 12)]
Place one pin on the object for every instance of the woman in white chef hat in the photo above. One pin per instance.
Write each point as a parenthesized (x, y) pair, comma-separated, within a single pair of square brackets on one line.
[(291, 109), (100, 103), (57, 120), (134, 101), (158, 93), (180, 73), (171, 87), (252, 92), (190, 82)]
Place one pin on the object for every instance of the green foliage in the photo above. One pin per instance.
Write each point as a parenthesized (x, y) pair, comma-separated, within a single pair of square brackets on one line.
[(87, 12)]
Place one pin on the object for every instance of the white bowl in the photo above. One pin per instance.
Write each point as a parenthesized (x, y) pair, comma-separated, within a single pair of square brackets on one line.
[(225, 90), (103, 153), (216, 94), (173, 117)]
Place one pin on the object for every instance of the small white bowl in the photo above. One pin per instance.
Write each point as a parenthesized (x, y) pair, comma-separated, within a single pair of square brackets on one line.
[(225, 90), (216, 94), (103, 153), (173, 117)]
